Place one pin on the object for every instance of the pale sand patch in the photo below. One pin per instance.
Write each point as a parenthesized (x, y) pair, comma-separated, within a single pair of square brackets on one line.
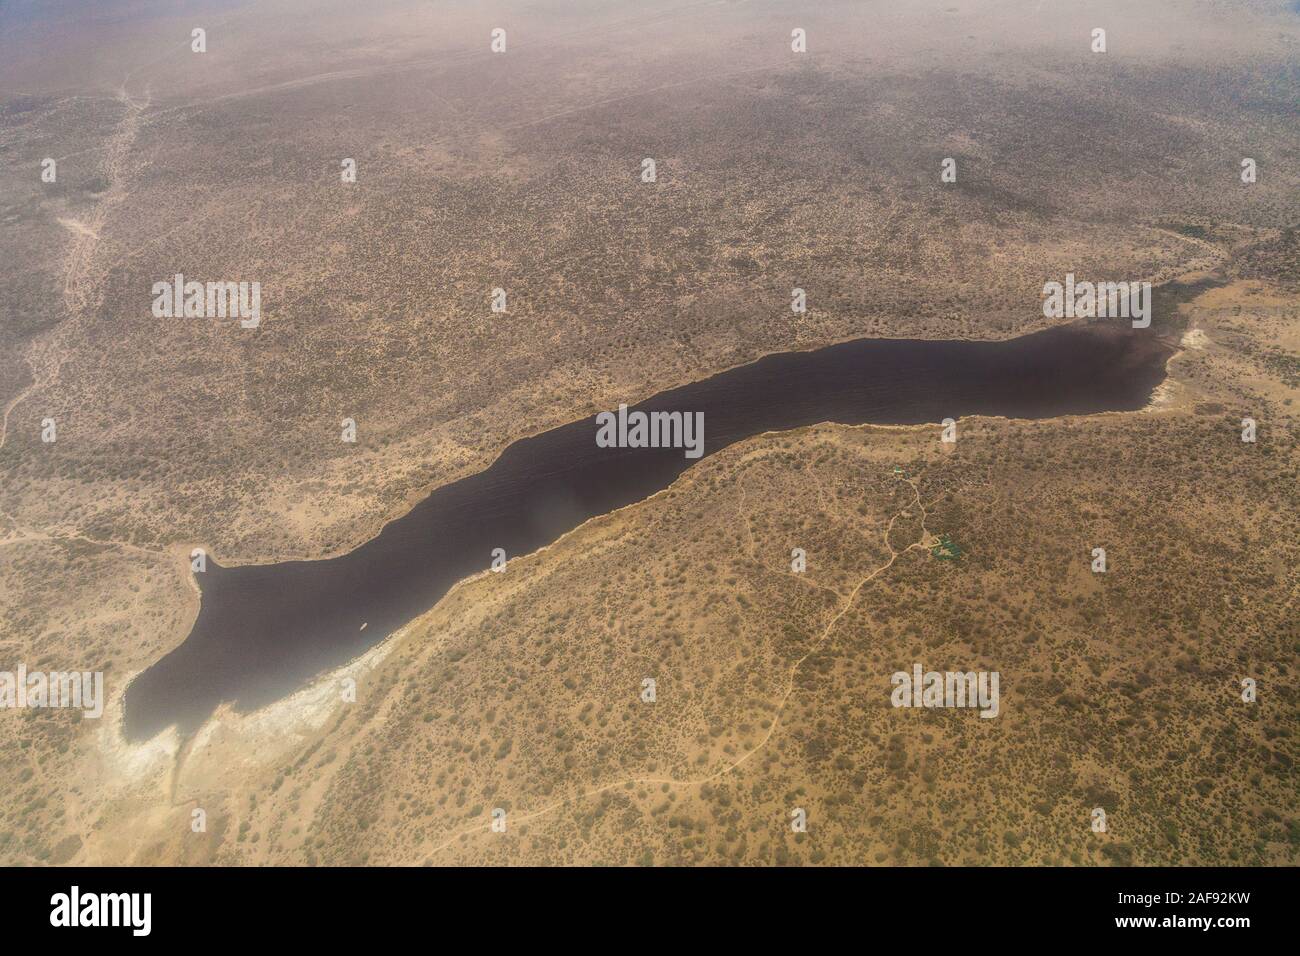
[(263, 733), (127, 760), (264, 736), (80, 228), (1165, 395)]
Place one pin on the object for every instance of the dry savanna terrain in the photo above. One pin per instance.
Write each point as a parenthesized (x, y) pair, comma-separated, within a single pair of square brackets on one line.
[(523, 691), (774, 170)]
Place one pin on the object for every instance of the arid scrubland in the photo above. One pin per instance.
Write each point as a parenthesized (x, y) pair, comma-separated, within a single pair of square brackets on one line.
[(522, 172), (522, 691), (1121, 690)]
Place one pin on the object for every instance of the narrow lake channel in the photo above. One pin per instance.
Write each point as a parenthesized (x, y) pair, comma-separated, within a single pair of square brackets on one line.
[(263, 631)]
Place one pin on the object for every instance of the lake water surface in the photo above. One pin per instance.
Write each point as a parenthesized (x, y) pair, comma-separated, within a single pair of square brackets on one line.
[(265, 630)]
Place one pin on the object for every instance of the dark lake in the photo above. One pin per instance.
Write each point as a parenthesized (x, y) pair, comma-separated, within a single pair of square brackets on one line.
[(264, 631)]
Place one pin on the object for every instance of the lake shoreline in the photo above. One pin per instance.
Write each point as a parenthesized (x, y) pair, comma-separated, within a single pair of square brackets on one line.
[(263, 631)]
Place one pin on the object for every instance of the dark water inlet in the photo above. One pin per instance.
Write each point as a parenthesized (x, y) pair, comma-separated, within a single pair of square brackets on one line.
[(263, 631)]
